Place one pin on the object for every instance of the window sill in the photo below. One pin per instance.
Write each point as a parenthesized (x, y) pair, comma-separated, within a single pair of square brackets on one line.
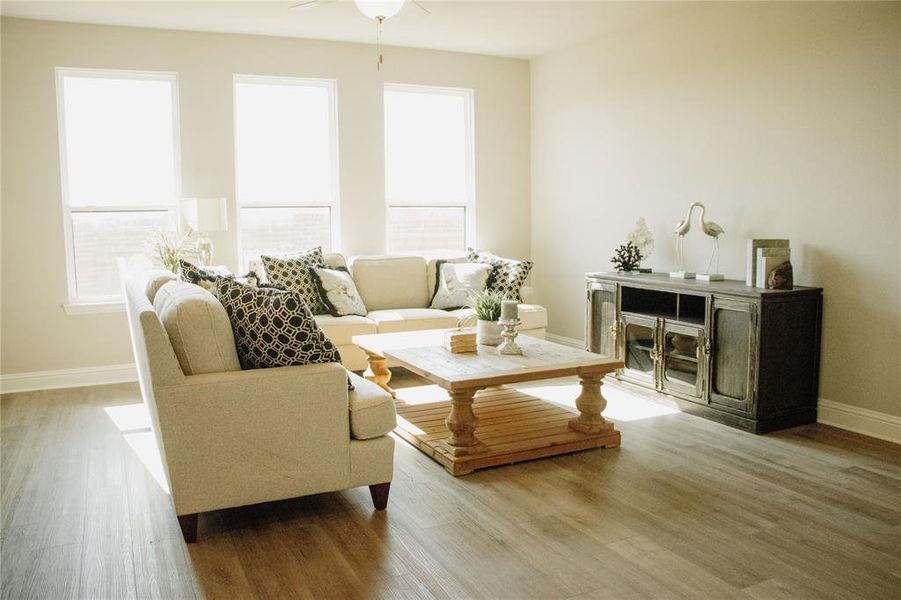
[(93, 308)]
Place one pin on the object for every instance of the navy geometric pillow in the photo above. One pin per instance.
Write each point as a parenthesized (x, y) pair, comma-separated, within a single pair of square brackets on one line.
[(507, 275), (205, 277), (291, 272), (274, 328)]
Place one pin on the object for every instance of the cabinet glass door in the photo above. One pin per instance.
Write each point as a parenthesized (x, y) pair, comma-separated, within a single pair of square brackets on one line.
[(681, 371), (639, 348)]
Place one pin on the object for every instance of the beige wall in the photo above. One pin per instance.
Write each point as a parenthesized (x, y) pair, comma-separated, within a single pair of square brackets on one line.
[(36, 333), (782, 118)]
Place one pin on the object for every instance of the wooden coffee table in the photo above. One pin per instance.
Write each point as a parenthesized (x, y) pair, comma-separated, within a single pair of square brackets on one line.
[(512, 426)]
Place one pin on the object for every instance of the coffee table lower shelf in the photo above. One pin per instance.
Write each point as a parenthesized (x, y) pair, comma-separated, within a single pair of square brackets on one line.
[(513, 426)]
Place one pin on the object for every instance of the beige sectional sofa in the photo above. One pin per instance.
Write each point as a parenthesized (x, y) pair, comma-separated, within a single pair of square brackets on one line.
[(230, 437), (397, 291)]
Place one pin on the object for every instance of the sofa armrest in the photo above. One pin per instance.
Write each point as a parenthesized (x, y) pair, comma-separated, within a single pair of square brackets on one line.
[(242, 437)]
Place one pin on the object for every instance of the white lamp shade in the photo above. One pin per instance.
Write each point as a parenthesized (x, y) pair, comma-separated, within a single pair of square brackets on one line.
[(205, 214), (379, 8)]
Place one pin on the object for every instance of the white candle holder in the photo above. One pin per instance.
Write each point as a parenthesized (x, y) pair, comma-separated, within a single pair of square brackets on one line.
[(509, 346)]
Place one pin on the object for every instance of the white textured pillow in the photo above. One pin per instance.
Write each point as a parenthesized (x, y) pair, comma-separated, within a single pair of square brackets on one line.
[(457, 282), (338, 291)]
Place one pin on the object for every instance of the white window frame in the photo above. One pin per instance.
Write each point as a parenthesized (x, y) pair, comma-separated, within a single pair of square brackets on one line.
[(112, 303), (469, 203), (334, 204)]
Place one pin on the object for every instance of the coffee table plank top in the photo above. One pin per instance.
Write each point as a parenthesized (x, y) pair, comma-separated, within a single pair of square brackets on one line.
[(423, 353)]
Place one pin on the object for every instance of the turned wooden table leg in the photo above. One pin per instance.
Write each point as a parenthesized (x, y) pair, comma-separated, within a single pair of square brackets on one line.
[(462, 424), (379, 373), (591, 404)]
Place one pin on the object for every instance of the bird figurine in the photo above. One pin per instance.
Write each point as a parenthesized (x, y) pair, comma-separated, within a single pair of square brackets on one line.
[(715, 231), (683, 227)]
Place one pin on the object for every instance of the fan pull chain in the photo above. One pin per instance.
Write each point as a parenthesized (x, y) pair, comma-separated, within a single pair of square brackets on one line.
[(378, 65)]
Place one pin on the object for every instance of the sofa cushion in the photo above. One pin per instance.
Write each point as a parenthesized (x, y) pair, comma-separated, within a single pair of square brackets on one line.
[(291, 271), (342, 329), (531, 315), (412, 319), (392, 281), (198, 327), (157, 279), (372, 411)]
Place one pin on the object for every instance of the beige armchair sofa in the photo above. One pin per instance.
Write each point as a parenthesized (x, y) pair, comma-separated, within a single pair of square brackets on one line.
[(229, 437), (397, 291)]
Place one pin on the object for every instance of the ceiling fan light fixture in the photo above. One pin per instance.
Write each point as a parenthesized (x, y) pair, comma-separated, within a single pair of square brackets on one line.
[(375, 9)]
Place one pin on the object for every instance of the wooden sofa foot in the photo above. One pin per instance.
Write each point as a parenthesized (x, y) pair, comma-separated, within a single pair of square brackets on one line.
[(379, 493), (188, 524)]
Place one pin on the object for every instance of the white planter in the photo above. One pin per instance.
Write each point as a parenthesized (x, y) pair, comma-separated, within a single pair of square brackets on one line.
[(489, 333)]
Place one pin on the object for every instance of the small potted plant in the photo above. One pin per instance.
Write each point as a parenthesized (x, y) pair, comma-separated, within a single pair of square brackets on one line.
[(487, 305)]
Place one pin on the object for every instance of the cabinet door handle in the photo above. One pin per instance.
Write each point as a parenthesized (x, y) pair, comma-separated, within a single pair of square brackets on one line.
[(614, 331)]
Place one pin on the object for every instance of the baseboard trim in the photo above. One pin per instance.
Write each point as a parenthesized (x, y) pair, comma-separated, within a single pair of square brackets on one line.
[(566, 341), (67, 378), (859, 420)]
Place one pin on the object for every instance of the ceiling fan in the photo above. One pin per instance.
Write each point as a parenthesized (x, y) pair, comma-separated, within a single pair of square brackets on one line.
[(379, 10)]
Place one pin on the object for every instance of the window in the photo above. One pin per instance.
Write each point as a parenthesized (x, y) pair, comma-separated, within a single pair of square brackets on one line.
[(286, 165), (119, 171), (428, 169)]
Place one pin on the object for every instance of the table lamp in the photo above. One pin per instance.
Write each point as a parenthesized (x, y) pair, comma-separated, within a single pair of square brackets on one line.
[(204, 215)]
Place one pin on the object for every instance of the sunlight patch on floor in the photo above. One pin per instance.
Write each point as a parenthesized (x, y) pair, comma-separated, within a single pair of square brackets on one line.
[(133, 420), (129, 417), (621, 404), (421, 394), (144, 446)]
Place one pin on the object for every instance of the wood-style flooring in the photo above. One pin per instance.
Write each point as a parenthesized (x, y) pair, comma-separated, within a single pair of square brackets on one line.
[(686, 508)]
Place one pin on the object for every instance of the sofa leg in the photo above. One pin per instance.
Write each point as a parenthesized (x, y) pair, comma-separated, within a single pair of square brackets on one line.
[(379, 493), (188, 524)]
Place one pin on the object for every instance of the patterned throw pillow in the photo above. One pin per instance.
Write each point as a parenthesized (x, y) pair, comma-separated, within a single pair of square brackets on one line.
[(292, 272), (457, 282), (203, 276), (274, 328), (507, 275), (338, 291)]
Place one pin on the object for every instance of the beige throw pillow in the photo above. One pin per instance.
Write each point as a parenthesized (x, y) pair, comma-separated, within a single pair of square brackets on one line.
[(198, 327), (157, 279)]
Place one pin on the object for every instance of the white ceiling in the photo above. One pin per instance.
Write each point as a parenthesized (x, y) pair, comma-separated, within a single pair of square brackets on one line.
[(515, 28)]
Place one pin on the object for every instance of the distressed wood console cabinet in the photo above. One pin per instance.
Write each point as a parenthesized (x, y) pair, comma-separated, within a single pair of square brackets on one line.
[(740, 355)]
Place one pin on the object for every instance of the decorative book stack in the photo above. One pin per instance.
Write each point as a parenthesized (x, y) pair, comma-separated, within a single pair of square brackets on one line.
[(764, 256), (460, 341)]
